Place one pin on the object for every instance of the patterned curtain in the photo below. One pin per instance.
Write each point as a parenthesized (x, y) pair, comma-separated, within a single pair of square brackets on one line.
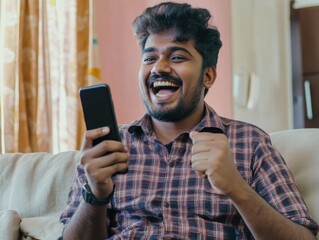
[(44, 60)]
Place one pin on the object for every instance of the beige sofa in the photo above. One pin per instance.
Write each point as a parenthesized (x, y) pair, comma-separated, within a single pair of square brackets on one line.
[(34, 186), (33, 192)]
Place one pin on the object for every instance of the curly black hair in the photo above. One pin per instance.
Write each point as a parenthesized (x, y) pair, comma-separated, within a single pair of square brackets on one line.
[(189, 23)]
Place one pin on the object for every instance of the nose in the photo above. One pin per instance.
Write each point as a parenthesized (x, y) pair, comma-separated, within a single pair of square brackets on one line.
[(161, 66)]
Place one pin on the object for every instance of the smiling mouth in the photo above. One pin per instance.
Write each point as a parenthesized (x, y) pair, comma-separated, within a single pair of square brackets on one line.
[(164, 87)]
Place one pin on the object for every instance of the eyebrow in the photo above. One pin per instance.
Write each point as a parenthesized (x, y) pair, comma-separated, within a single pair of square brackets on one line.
[(170, 49)]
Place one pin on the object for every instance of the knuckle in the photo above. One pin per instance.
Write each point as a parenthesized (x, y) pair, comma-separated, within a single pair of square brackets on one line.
[(87, 134), (126, 156), (88, 167), (118, 167), (113, 157), (119, 156), (104, 144), (121, 167)]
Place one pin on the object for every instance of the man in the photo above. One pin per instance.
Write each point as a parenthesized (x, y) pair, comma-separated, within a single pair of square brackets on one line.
[(190, 174)]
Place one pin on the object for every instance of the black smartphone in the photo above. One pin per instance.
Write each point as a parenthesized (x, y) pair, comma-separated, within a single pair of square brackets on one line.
[(98, 110)]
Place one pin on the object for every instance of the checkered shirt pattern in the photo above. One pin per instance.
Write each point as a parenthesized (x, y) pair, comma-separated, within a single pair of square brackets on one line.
[(161, 197)]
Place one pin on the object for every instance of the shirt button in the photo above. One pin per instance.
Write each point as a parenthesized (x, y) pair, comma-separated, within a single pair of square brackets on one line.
[(171, 164), (166, 204)]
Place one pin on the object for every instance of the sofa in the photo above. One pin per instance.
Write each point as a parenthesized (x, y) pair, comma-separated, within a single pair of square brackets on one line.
[(33, 192), (34, 186)]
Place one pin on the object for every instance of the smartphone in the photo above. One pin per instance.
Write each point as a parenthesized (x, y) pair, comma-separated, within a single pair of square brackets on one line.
[(98, 110)]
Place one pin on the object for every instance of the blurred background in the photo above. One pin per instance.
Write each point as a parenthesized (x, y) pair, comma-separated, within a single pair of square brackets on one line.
[(267, 72)]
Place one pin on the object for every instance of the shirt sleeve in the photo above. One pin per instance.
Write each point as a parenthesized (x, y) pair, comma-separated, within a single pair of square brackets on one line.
[(75, 195), (274, 182)]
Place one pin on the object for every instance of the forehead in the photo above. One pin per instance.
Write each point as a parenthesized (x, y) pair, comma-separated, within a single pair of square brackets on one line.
[(163, 40)]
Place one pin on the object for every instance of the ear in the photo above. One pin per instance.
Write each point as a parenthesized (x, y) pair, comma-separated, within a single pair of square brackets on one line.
[(209, 76)]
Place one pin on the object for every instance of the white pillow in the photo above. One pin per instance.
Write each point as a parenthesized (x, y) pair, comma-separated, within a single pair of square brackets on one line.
[(42, 228)]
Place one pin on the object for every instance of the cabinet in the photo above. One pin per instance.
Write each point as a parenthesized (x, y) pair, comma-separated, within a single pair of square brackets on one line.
[(262, 89)]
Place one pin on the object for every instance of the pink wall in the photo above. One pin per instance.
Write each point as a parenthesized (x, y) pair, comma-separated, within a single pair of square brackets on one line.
[(120, 56)]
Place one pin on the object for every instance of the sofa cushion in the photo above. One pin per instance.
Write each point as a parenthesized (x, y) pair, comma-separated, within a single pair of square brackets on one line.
[(9, 225), (300, 148), (36, 184)]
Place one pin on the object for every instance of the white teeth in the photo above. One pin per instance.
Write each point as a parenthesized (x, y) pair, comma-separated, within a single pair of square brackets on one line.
[(162, 95), (164, 84)]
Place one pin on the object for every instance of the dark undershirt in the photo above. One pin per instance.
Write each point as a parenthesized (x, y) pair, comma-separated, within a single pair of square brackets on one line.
[(169, 146)]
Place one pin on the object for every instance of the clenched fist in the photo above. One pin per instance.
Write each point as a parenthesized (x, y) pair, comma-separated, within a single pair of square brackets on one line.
[(212, 158)]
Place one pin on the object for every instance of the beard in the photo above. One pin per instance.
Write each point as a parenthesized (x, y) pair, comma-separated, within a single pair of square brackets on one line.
[(184, 108)]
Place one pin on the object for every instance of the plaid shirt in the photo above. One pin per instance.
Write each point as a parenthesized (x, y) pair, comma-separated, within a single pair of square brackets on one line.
[(161, 197)]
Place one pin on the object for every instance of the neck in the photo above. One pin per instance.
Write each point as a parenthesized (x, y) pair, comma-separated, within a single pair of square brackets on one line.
[(168, 131)]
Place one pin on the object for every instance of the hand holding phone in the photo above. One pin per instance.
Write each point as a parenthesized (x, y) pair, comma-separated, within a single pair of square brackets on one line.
[(98, 110)]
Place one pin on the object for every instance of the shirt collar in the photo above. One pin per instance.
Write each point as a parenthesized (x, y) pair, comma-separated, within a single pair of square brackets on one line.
[(211, 122), (144, 124)]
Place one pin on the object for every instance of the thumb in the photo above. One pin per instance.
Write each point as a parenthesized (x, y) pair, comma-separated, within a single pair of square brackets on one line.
[(93, 134)]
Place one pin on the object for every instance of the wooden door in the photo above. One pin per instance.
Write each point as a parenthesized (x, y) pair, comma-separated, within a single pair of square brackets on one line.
[(305, 59)]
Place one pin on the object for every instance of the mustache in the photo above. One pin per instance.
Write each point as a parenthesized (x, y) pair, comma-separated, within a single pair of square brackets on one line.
[(164, 76)]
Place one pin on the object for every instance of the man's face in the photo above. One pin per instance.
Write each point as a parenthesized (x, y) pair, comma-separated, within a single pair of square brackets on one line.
[(171, 77)]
